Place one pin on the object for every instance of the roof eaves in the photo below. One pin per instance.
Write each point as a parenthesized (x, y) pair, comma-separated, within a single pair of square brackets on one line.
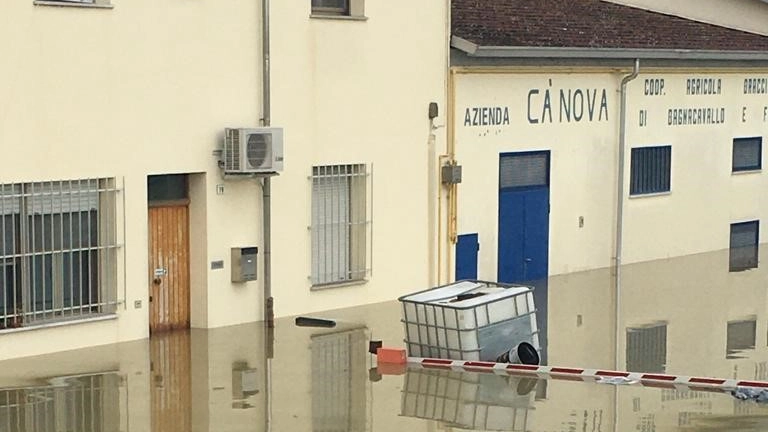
[(474, 50)]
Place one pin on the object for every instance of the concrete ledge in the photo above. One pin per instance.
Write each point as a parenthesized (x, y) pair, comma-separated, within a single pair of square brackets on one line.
[(63, 323), (331, 286), (339, 17), (68, 4)]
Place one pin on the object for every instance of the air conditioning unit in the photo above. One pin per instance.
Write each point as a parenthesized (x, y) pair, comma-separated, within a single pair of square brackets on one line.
[(252, 151)]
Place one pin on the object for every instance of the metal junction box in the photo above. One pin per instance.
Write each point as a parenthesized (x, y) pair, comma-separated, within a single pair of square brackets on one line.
[(451, 174), (244, 263)]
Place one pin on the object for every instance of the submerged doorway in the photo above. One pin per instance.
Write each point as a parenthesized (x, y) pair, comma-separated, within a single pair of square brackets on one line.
[(523, 254), (169, 287), (523, 249)]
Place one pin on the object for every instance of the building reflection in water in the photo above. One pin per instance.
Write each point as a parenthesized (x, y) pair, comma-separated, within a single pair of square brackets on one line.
[(88, 403), (339, 377), (688, 316), (171, 383)]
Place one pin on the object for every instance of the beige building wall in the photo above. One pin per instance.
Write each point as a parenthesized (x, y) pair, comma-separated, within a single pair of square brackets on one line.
[(351, 92), (747, 15), (693, 217), (583, 157), (705, 196), (145, 88), (110, 93)]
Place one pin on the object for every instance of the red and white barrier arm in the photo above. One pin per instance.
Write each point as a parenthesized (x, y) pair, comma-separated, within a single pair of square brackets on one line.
[(593, 375)]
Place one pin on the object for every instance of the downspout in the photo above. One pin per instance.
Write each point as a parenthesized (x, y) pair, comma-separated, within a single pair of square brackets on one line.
[(620, 225), (269, 310), (620, 200)]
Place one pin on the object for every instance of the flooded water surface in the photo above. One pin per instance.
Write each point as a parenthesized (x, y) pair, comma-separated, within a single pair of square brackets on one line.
[(687, 316)]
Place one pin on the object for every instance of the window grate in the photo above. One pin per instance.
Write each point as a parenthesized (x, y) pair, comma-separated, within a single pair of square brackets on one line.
[(340, 227), (58, 250), (650, 170), (747, 154), (743, 252), (647, 349), (524, 170)]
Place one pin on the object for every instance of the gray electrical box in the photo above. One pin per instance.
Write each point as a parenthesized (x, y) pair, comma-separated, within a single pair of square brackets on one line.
[(244, 263), (451, 174)]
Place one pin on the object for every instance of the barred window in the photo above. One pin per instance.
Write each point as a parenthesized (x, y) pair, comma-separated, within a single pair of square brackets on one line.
[(340, 227), (650, 170), (747, 154), (743, 248), (57, 250)]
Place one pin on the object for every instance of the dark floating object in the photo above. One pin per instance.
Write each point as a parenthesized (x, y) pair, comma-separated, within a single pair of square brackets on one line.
[(462, 297), (523, 353), (314, 322), (373, 346)]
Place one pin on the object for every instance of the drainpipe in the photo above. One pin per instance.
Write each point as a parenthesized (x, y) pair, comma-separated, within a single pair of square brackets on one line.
[(269, 309), (620, 200), (620, 226)]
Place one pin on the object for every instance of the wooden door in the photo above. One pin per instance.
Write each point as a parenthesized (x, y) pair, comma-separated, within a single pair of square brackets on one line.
[(171, 386), (168, 267)]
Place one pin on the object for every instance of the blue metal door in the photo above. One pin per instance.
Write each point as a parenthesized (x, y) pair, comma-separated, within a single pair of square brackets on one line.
[(467, 246), (523, 251)]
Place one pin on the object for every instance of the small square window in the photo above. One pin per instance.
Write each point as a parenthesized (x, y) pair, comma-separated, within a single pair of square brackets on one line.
[(743, 248), (747, 154), (650, 170), (330, 7), (741, 336), (354, 9)]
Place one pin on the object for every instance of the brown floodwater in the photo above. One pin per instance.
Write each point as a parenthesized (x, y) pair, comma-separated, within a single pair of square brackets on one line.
[(688, 316)]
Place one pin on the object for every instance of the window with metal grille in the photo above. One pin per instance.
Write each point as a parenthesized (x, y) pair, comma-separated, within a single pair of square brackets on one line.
[(647, 349), (650, 170), (743, 248), (330, 7), (741, 336), (57, 250), (747, 154), (518, 170), (340, 227)]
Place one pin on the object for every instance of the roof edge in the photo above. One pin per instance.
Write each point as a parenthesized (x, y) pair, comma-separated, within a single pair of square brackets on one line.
[(474, 50)]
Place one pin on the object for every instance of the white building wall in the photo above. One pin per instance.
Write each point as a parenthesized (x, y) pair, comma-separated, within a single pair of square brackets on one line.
[(356, 92), (693, 217), (143, 88), (705, 197), (583, 160), (147, 88)]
